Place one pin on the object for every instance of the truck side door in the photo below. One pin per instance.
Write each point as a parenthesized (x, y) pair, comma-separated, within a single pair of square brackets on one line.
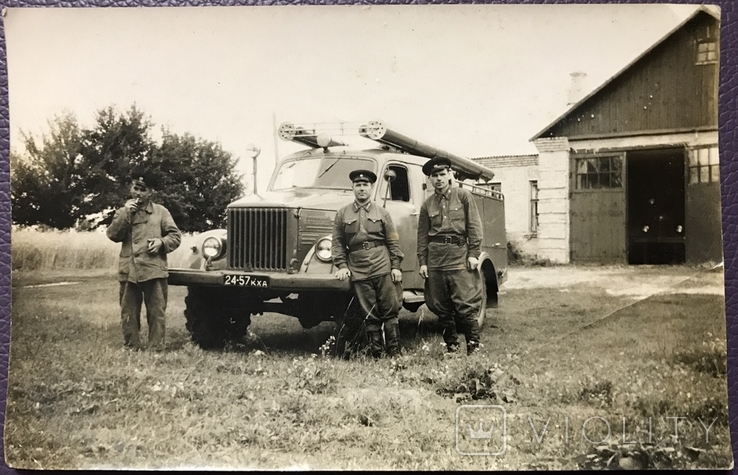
[(403, 200)]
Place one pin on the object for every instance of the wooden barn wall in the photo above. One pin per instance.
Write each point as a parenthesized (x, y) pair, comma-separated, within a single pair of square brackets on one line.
[(665, 90)]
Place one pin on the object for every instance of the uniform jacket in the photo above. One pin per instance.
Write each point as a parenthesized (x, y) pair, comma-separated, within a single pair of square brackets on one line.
[(354, 225), (453, 213), (133, 230)]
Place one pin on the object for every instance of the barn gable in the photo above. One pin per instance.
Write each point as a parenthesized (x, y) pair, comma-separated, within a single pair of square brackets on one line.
[(671, 87)]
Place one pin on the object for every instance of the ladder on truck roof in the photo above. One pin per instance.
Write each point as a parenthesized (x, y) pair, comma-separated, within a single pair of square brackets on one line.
[(320, 136)]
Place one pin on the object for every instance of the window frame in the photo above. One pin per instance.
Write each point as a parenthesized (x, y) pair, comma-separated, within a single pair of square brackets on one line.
[(610, 171), (709, 39), (533, 213), (382, 190), (711, 53), (696, 169)]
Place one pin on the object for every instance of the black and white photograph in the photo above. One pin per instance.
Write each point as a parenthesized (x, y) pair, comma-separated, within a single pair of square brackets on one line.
[(360, 237)]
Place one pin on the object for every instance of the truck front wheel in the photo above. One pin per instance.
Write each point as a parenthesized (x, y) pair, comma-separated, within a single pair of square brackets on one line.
[(215, 316)]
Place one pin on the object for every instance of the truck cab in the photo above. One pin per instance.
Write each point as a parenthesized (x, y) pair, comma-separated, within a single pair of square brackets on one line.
[(275, 255)]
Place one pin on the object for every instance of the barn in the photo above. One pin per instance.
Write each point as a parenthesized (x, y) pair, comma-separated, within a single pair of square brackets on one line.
[(628, 174)]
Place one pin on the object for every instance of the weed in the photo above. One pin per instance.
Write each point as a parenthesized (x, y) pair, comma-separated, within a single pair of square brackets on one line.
[(710, 358), (600, 394), (637, 456), (517, 257), (479, 380)]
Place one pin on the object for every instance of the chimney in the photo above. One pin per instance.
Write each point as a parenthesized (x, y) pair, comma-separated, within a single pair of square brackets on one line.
[(575, 88)]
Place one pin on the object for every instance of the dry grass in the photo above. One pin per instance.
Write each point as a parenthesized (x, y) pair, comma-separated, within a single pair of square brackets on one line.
[(56, 251), (76, 399)]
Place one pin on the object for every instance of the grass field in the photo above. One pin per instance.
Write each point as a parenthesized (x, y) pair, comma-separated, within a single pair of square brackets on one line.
[(602, 395)]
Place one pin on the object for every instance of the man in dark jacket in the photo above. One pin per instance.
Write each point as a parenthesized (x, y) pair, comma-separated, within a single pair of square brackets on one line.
[(449, 240), (366, 249), (147, 233)]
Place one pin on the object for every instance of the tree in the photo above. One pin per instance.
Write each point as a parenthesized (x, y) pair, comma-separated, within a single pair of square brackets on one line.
[(111, 150), (197, 181), (80, 173), (44, 188)]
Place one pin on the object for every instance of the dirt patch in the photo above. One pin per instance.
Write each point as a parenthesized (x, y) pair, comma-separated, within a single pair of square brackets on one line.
[(54, 284), (634, 281)]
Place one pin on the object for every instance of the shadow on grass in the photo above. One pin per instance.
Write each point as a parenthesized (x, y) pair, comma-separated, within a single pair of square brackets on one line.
[(283, 334)]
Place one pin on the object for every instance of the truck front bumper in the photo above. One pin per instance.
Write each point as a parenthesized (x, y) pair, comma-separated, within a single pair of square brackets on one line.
[(277, 281)]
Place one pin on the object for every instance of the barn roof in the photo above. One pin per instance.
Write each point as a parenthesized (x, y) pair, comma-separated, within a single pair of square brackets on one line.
[(711, 10)]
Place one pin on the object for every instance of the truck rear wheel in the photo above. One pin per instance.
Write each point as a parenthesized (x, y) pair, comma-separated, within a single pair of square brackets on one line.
[(489, 297), (215, 317), (483, 307)]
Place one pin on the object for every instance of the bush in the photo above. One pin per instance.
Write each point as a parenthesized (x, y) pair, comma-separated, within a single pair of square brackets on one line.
[(515, 256)]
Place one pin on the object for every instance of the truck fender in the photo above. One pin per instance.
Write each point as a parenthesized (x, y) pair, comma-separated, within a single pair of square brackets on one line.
[(311, 264), (189, 253)]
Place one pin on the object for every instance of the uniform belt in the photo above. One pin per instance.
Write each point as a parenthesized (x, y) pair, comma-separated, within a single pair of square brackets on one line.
[(365, 245), (446, 239)]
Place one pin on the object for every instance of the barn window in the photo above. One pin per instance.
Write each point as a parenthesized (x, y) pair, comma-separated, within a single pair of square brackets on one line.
[(707, 52), (704, 166), (599, 172), (533, 225), (707, 46)]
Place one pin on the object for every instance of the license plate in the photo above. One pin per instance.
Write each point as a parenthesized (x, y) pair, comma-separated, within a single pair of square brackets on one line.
[(242, 280)]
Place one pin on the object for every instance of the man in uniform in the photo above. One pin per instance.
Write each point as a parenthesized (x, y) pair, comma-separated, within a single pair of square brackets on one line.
[(147, 233), (449, 240), (366, 249)]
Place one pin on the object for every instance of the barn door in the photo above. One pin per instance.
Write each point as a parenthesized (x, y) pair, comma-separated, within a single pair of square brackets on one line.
[(703, 227), (597, 209), (656, 206)]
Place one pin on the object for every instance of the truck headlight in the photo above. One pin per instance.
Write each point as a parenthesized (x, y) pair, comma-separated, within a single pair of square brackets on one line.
[(213, 248), (323, 249)]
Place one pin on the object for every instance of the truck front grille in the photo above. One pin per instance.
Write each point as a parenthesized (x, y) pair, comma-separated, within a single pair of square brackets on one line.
[(257, 238)]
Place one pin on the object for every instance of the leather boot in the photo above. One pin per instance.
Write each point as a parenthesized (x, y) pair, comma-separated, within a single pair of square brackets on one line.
[(392, 335), (375, 343)]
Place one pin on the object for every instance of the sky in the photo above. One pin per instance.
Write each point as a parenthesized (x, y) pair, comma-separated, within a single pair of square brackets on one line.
[(475, 80)]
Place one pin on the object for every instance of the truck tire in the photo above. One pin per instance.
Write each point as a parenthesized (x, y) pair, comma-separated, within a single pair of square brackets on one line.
[(215, 317), (412, 307), (487, 276), (309, 322), (483, 307)]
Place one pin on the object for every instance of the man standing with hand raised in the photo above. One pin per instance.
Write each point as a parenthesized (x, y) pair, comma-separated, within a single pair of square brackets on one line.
[(147, 233)]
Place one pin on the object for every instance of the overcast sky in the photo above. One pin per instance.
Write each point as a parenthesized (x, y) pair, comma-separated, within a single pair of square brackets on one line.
[(475, 80)]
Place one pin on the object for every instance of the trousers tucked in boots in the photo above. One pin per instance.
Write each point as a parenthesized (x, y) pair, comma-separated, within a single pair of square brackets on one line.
[(392, 337)]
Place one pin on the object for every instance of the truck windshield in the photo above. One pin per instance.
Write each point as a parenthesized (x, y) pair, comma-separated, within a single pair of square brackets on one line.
[(319, 172)]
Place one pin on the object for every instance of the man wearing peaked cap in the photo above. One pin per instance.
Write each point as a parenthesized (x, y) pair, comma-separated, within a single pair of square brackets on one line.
[(435, 165), (449, 241), (147, 233), (363, 175), (366, 249)]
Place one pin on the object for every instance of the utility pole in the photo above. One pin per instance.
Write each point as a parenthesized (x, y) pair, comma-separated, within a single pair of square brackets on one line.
[(276, 142)]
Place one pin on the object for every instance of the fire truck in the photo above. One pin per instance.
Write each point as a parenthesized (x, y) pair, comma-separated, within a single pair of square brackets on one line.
[(275, 255)]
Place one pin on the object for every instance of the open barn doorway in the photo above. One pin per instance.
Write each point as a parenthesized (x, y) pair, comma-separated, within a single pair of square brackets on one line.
[(655, 184)]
